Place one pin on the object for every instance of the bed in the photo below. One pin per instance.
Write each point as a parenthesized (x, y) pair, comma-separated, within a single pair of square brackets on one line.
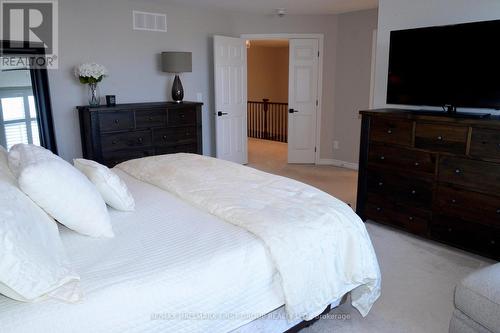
[(171, 267)]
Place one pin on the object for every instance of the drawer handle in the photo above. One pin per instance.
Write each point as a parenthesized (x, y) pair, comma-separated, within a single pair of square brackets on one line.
[(389, 131), (380, 184), (498, 211), (164, 137), (379, 209), (182, 115), (417, 164), (114, 142), (453, 201), (450, 229), (139, 140), (150, 118), (492, 242), (188, 133), (382, 158), (458, 171), (413, 192), (411, 218), (440, 138), (117, 121)]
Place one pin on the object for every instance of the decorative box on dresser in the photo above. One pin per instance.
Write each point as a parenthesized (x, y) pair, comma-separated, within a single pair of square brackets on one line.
[(432, 175), (111, 135)]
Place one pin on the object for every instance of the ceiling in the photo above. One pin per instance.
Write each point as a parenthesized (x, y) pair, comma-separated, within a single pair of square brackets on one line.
[(292, 7)]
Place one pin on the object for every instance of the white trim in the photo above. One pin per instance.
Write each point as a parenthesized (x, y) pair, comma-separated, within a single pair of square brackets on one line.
[(320, 38), (338, 163)]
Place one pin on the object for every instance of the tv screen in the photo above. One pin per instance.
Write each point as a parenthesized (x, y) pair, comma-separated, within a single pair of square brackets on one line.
[(456, 65)]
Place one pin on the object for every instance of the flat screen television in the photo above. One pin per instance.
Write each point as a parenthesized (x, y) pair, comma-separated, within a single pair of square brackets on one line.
[(453, 66)]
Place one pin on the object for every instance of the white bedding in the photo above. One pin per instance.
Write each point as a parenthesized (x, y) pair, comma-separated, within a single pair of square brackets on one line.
[(319, 246), (167, 258)]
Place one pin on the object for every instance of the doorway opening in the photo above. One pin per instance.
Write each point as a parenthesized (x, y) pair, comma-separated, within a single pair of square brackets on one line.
[(267, 106)]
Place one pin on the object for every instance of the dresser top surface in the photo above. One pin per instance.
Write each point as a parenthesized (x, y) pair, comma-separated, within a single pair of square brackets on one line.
[(432, 116), (136, 106)]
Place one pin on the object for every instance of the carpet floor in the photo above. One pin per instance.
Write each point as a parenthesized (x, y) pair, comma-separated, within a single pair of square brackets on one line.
[(418, 275)]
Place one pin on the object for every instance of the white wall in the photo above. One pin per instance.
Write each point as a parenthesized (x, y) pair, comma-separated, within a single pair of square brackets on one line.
[(406, 14)]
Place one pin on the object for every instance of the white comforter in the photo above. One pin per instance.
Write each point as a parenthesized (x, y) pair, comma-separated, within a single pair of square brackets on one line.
[(319, 246), (166, 268)]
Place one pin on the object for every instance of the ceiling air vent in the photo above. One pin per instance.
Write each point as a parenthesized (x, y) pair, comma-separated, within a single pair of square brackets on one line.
[(149, 21)]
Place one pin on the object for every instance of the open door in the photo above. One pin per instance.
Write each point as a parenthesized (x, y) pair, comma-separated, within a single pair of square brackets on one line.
[(302, 100), (230, 71)]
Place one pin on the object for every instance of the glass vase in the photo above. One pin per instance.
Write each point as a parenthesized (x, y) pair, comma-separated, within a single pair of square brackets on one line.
[(94, 95)]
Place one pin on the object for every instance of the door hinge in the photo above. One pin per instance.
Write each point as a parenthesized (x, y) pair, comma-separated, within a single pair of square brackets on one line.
[(315, 149), (317, 102), (318, 54)]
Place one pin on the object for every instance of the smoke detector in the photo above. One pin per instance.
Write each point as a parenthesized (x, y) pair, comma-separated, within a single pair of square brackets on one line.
[(280, 12)]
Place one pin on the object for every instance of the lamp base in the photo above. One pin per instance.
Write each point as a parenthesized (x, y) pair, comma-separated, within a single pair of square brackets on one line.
[(177, 90)]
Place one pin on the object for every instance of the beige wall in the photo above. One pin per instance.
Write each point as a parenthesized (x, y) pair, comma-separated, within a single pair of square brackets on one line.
[(352, 88), (268, 73)]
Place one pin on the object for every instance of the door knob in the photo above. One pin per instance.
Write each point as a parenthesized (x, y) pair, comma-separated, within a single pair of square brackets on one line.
[(292, 111), (220, 113)]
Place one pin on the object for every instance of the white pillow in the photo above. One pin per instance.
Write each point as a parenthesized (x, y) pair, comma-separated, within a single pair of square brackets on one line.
[(33, 263), (60, 189), (113, 190)]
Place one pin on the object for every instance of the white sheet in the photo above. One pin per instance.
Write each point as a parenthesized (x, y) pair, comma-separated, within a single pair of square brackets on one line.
[(319, 246), (167, 258)]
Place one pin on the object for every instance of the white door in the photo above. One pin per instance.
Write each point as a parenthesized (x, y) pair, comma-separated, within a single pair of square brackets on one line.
[(302, 100), (230, 71)]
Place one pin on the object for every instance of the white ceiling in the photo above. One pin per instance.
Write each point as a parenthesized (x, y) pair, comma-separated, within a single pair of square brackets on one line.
[(293, 7)]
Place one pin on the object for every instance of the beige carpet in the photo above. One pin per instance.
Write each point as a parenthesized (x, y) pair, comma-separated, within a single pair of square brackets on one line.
[(418, 276), (272, 156)]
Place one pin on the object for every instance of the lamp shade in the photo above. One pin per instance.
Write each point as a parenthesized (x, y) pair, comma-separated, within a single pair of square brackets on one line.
[(176, 62)]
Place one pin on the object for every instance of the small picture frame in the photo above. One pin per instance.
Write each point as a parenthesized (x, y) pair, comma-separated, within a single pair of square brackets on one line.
[(110, 100)]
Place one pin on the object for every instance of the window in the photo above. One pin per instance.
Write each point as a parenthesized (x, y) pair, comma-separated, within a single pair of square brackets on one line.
[(25, 110), (18, 117)]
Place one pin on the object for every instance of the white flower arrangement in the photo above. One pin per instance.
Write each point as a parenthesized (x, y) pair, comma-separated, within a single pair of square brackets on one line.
[(90, 73)]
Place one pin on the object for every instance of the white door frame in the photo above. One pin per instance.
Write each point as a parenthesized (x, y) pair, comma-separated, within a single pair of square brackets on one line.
[(320, 38)]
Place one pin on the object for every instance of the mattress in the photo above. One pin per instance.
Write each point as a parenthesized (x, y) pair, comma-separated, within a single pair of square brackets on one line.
[(170, 268)]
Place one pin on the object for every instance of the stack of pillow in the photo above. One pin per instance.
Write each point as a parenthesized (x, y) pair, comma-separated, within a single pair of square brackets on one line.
[(37, 188)]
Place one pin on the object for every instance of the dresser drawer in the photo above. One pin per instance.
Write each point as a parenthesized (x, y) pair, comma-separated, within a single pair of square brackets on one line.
[(111, 142), (466, 235), (181, 117), (442, 138), (472, 206), (116, 121), (410, 218), (394, 131), (174, 135), (485, 143), (186, 148), (483, 176), (402, 160), (150, 118), (113, 158), (400, 189)]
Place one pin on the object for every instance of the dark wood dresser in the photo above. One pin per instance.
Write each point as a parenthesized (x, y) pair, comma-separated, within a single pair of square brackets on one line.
[(111, 135), (432, 175)]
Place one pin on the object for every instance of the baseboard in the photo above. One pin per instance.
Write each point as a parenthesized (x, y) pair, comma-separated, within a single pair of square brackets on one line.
[(338, 163)]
